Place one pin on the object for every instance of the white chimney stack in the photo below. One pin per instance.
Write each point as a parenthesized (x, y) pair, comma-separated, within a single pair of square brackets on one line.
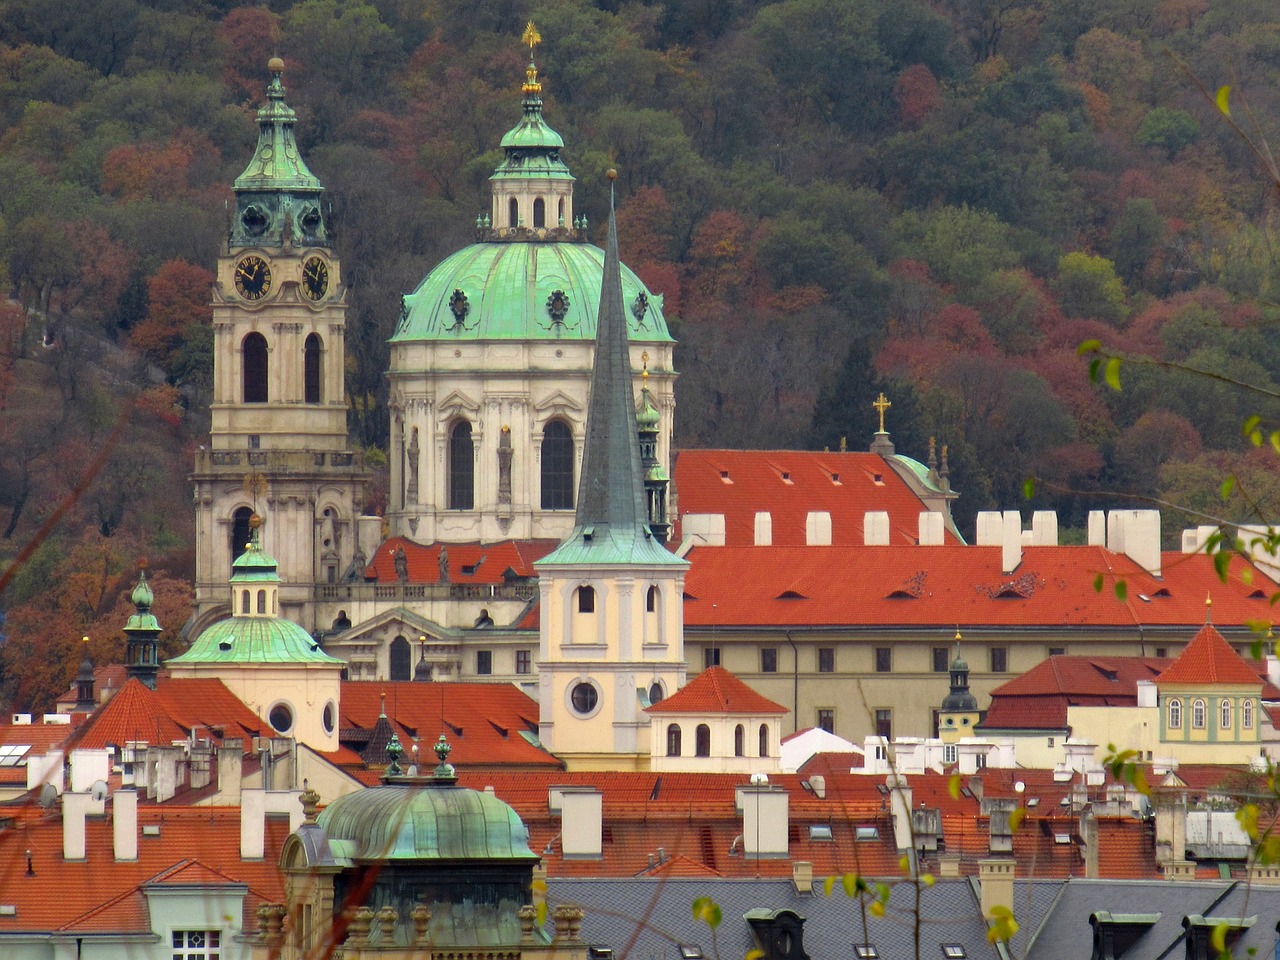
[(1136, 534), (1097, 528), (1044, 528), (581, 822), (764, 529), (1011, 541), (817, 528), (990, 528), (931, 528), (75, 808), (875, 528), (124, 824)]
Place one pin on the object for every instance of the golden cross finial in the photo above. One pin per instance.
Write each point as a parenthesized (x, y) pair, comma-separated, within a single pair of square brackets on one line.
[(531, 37), (882, 403)]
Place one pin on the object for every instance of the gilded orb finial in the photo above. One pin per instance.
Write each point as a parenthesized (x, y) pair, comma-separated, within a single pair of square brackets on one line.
[(275, 65), (1208, 608), (611, 174), (882, 403), (644, 367), (531, 38)]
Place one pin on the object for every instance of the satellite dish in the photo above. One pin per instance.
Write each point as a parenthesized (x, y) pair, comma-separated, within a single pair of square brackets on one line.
[(98, 791), (48, 795)]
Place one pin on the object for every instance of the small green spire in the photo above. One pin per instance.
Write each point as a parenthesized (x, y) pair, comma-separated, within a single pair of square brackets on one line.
[(444, 772), (394, 752)]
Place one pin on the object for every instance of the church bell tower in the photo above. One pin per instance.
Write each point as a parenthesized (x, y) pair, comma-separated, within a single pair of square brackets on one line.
[(278, 444)]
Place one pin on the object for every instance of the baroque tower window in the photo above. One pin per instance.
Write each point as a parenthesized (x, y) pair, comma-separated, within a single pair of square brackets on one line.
[(254, 359), (462, 492)]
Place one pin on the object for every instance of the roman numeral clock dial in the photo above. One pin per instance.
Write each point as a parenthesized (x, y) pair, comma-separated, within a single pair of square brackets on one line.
[(315, 279), (253, 278)]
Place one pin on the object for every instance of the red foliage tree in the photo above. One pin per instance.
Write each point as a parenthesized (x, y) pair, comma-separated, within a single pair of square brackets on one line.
[(178, 295), (916, 94)]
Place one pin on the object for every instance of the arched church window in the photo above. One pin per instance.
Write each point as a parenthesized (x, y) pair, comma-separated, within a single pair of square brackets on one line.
[(560, 212), (539, 213), (262, 601), (1198, 714), (702, 739), (651, 600), (1224, 719), (240, 532), (254, 360), (586, 600), (311, 369), (673, 740), (764, 739), (1175, 714), (401, 657), (245, 601), (557, 466), (462, 471), (513, 213), (739, 737), (1246, 715)]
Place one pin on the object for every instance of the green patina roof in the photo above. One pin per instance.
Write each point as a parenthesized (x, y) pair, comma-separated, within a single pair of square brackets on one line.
[(507, 286), (430, 823), (142, 597), (611, 524), (919, 469), (276, 163), (255, 640)]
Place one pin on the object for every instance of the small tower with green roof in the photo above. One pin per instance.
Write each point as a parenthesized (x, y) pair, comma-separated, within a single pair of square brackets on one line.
[(271, 663), (611, 624), (278, 432), (142, 632), (656, 478), (959, 713)]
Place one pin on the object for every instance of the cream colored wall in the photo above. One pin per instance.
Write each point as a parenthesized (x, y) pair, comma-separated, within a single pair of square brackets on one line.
[(522, 385), (722, 758)]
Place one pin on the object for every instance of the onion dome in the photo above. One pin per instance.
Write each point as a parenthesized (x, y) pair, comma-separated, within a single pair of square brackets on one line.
[(959, 700)]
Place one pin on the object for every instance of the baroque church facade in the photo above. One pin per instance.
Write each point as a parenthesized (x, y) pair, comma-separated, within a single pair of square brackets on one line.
[(491, 374)]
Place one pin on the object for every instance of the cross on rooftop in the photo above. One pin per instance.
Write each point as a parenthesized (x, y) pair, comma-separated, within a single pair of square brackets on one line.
[(882, 403)]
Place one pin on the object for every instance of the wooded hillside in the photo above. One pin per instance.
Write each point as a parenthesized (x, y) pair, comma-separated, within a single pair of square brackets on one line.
[(836, 197)]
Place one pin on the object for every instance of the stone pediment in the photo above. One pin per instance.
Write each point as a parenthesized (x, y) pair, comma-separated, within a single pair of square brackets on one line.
[(390, 623), (456, 404), (558, 404)]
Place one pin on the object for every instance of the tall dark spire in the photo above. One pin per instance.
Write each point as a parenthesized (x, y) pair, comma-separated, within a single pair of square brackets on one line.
[(612, 522), (143, 632)]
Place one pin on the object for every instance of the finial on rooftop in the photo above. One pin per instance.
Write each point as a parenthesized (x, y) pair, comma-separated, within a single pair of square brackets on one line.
[(882, 404), (382, 712), (844, 444), (310, 801), (394, 752), (444, 772), (1208, 608), (531, 38)]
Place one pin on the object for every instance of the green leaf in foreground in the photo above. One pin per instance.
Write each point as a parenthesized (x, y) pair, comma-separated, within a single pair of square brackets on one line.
[(1223, 99)]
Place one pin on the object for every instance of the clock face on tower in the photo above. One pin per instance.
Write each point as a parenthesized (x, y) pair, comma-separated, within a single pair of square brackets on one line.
[(253, 278), (315, 278)]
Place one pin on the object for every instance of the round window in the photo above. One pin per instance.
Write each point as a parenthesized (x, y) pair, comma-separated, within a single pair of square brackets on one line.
[(281, 718), (328, 717), (655, 693), (584, 697)]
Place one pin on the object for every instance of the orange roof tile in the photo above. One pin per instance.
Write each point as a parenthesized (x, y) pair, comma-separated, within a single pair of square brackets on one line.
[(135, 713), (1209, 659), (942, 585), (488, 724), (716, 690), (468, 562), (788, 485)]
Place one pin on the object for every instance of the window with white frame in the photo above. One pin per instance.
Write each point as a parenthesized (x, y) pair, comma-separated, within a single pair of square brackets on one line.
[(1198, 711), (1175, 714), (1224, 715), (1246, 715), (197, 945)]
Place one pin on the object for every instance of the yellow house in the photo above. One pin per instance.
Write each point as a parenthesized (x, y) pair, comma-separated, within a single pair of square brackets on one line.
[(1209, 696)]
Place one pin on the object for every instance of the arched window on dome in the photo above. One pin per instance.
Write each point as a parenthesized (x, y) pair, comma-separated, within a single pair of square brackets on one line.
[(539, 213), (739, 739), (513, 213), (703, 741), (401, 657), (253, 358), (240, 532), (1225, 715), (245, 601), (586, 600), (560, 212), (462, 471), (312, 352), (262, 601), (764, 739), (557, 466), (1175, 714), (673, 740), (1198, 711)]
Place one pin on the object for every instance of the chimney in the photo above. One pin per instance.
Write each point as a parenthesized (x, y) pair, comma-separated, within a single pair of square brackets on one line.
[(765, 820), (75, 808), (900, 807), (802, 876), (581, 821), (875, 528), (1193, 538), (1044, 528), (949, 864), (87, 767), (1089, 841), (201, 764), (164, 784), (1136, 534), (1097, 528), (230, 770), (253, 823), (996, 878), (931, 528), (705, 529), (1146, 693), (817, 528), (1010, 541), (1171, 827), (124, 824), (764, 528), (990, 528), (1256, 538)]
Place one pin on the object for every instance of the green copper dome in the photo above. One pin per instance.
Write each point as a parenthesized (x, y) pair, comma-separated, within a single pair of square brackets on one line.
[(435, 822), (252, 639), (523, 291)]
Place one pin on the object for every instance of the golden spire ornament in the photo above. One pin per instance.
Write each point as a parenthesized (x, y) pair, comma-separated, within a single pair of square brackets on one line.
[(531, 37), (882, 403)]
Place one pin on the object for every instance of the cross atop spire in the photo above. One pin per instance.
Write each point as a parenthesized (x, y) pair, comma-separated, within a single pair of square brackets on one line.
[(882, 404)]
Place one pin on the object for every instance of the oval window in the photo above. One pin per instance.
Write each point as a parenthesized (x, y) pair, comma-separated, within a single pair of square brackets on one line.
[(281, 718), (584, 698), (328, 717)]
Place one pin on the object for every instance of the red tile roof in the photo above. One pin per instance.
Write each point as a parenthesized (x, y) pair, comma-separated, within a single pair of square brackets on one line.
[(940, 586), (489, 725), (175, 710), (100, 893), (1209, 659), (488, 562), (788, 484), (135, 713), (716, 690)]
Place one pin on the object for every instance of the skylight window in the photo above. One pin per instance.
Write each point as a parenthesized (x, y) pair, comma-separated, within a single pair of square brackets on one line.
[(866, 951), (953, 951), (11, 754), (819, 831), (866, 833)]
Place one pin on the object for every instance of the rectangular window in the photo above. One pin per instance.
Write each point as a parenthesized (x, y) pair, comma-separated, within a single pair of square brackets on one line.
[(941, 659), (197, 945), (999, 659), (1162, 652), (1057, 651), (827, 719), (949, 753), (711, 657), (884, 659), (884, 724), (826, 659), (524, 661), (769, 660), (484, 662)]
